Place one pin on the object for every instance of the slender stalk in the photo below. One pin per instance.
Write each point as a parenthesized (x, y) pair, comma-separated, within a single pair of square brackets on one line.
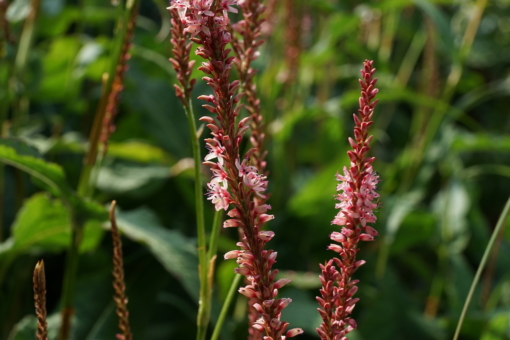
[(215, 234), (226, 306), (501, 223), (126, 14), (204, 303), (71, 268)]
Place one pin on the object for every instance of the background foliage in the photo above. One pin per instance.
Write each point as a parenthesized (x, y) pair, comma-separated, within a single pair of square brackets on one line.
[(441, 141)]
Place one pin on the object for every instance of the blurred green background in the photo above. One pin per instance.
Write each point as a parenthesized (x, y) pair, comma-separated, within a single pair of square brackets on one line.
[(442, 144)]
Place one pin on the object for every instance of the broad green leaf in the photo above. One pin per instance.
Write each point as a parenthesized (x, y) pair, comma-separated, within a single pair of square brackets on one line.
[(49, 173), (135, 180), (176, 253), (19, 155), (44, 224), (138, 151)]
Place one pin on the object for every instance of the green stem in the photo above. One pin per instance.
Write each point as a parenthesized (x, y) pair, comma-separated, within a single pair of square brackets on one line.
[(204, 303), (226, 305), (85, 185), (70, 280), (501, 223), (215, 234)]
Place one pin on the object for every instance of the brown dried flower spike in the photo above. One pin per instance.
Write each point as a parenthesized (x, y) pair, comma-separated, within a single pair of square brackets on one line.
[(118, 280), (40, 301)]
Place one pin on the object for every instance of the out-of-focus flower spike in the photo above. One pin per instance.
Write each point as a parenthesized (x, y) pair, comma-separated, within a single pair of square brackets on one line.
[(112, 105)]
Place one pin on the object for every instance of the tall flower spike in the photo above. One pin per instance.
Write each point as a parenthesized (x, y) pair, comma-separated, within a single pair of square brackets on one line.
[(358, 199), (245, 44), (111, 110), (246, 49), (235, 182)]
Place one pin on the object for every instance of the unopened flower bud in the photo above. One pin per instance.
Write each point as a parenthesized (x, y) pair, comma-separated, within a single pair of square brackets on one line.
[(231, 254), (366, 237), (293, 332)]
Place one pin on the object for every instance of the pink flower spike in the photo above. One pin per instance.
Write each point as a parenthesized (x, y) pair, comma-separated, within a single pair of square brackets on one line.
[(357, 199)]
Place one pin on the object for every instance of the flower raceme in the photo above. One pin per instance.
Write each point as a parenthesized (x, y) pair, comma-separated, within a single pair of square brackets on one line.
[(357, 198), (235, 184)]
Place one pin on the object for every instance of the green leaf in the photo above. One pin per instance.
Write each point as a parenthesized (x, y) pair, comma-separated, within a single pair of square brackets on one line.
[(176, 253), (44, 224), (135, 180), (49, 173), (139, 151), (21, 156)]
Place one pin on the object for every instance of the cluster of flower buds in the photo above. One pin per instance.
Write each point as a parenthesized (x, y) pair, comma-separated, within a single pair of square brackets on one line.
[(181, 48), (358, 199), (235, 183)]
